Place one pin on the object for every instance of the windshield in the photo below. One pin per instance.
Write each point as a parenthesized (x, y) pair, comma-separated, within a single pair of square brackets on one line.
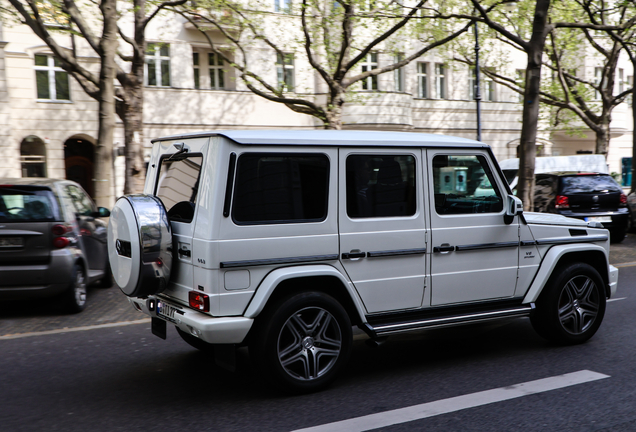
[(588, 184), (26, 204)]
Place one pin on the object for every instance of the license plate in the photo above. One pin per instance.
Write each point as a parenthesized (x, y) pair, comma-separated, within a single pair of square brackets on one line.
[(11, 242), (599, 219), (166, 311)]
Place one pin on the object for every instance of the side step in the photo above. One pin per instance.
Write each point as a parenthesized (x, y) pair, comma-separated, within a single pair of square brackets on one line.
[(384, 327)]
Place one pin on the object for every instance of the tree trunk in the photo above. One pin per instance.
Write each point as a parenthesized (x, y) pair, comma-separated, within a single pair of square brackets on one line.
[(527, 154), (104, 192), (603, 137), (633, 135), (133, 136)]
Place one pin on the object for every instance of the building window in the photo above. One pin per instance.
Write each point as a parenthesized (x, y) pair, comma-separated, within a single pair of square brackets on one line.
[(520, 78), (440, 81), (598, 82), (158, 65), (370, 62), (422, 80), (630, 84), (33, 157), (217, 71), (51, 80), (621, 82), (197, 76), (398, 74), (283, 6), (285, 71)]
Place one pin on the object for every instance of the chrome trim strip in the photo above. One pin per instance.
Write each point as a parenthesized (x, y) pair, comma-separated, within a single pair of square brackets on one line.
[(486, 246), (398, 252), (577, 239), (459, 319), (290, 260), (528, 243)]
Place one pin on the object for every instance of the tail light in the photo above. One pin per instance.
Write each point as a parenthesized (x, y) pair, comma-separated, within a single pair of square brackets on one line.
[(562, 202), (199, 301), (623, 201), (59, 231)]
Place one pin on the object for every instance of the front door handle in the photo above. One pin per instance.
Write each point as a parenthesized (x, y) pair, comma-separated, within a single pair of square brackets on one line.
[(354, 254), (444, 248)]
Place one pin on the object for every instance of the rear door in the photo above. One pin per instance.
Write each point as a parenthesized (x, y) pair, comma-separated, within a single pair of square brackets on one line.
[(382, 226), (475, 254), (27, 214)]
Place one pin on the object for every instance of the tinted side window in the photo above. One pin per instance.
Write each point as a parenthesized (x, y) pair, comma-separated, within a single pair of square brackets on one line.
[(177, 186), (380, 186), (82, 204), (280, 188), (464, 185)]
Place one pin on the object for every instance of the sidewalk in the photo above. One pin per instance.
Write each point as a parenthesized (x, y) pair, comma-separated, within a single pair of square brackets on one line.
[(110, 305)]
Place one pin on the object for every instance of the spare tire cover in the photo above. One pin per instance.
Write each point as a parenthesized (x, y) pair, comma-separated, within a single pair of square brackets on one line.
[(140, 245)]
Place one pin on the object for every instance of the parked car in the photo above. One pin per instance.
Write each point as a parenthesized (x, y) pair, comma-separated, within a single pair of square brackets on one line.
[(52, 241), (282, 240), (593, 197)]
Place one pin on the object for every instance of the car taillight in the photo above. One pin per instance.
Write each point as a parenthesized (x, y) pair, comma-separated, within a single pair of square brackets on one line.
[(561, 202), (59, 231), (199, 301), (623, 201)]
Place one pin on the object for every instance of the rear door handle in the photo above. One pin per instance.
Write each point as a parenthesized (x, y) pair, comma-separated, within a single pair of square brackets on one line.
[(444, 248), (184, 252), (353, 255)]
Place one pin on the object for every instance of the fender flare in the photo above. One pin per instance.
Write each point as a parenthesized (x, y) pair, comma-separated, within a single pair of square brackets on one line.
[(549, 263), (272, 280)]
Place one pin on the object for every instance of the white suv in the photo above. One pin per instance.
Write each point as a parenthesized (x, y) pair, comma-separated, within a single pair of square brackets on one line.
[(282, 240)]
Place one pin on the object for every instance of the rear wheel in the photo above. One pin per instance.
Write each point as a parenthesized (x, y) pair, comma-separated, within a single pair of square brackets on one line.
[(74, 299), (302, 342), (572, 305)]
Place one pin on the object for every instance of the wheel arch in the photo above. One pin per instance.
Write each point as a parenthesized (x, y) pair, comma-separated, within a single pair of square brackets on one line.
[(320, 278), (558, 256)]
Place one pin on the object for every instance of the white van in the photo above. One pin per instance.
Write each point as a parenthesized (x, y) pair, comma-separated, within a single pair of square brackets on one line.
[(592, 163), (282, 240)]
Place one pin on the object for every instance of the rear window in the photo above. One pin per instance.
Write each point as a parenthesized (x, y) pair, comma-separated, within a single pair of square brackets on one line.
[(588, 184), (178, 185), (27, 204), (280, 188)]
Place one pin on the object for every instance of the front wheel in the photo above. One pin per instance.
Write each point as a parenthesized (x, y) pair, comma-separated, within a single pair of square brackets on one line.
[(572, 305), (303, 342)]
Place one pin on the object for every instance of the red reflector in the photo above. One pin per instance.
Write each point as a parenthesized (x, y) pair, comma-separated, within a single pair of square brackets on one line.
[(623, 200), (58, 230), (561, 202), (60, 242), (199, 301)]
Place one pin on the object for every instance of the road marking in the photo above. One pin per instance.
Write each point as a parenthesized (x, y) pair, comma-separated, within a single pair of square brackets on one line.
[(444, 406), (74, 329), (627, 264), (616, 299)]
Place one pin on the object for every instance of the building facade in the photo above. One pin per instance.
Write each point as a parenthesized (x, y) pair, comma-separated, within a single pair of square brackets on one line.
[(48, 125)]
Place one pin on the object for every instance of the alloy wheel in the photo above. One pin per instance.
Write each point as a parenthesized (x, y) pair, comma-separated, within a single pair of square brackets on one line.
[(579, 304)]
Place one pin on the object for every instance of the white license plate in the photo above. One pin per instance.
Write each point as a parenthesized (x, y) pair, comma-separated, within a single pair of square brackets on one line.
[(166, 311), (599, 219), (11, 242)]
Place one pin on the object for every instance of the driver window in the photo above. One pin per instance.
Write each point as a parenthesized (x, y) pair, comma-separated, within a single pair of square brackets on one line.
[(464, 185)]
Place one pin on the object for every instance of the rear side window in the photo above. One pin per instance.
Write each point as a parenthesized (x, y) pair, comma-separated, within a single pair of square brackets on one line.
[(588, 184), (178, 185), (380, 186), (280, 188), (27, 204)]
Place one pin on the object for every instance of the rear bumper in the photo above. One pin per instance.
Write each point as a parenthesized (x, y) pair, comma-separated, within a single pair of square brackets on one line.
[(214, 330), (618, 218)]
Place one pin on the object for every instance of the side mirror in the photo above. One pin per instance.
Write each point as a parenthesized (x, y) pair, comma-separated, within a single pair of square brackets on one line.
[(102, 212), (514, 207)]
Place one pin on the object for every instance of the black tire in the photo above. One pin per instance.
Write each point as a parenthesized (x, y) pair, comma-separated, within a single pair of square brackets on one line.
[(572, 305), (74, 299), (302, 342), (617, 235), (195, 342)]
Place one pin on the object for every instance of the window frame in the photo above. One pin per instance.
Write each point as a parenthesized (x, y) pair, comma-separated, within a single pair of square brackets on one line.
[(196, 59), (216, 71), (399, 74), (422, 80), (440, 81), (286, 71), (369, 63), (158, 60), (52, 70)]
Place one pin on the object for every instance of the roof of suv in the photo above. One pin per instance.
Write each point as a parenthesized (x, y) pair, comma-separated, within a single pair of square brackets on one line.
[(332, 138)]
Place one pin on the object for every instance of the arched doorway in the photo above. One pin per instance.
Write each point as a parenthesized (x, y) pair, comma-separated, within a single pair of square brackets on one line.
[(79, 158), (33, 157)]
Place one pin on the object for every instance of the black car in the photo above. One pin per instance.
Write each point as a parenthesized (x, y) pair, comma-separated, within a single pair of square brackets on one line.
[(52, 242), (589, 196)]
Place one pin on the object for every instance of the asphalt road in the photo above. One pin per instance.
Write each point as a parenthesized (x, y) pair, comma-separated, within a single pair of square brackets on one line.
[(56, 378)]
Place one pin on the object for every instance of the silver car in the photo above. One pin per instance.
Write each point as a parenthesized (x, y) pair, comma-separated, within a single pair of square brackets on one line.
[(52, 242)]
